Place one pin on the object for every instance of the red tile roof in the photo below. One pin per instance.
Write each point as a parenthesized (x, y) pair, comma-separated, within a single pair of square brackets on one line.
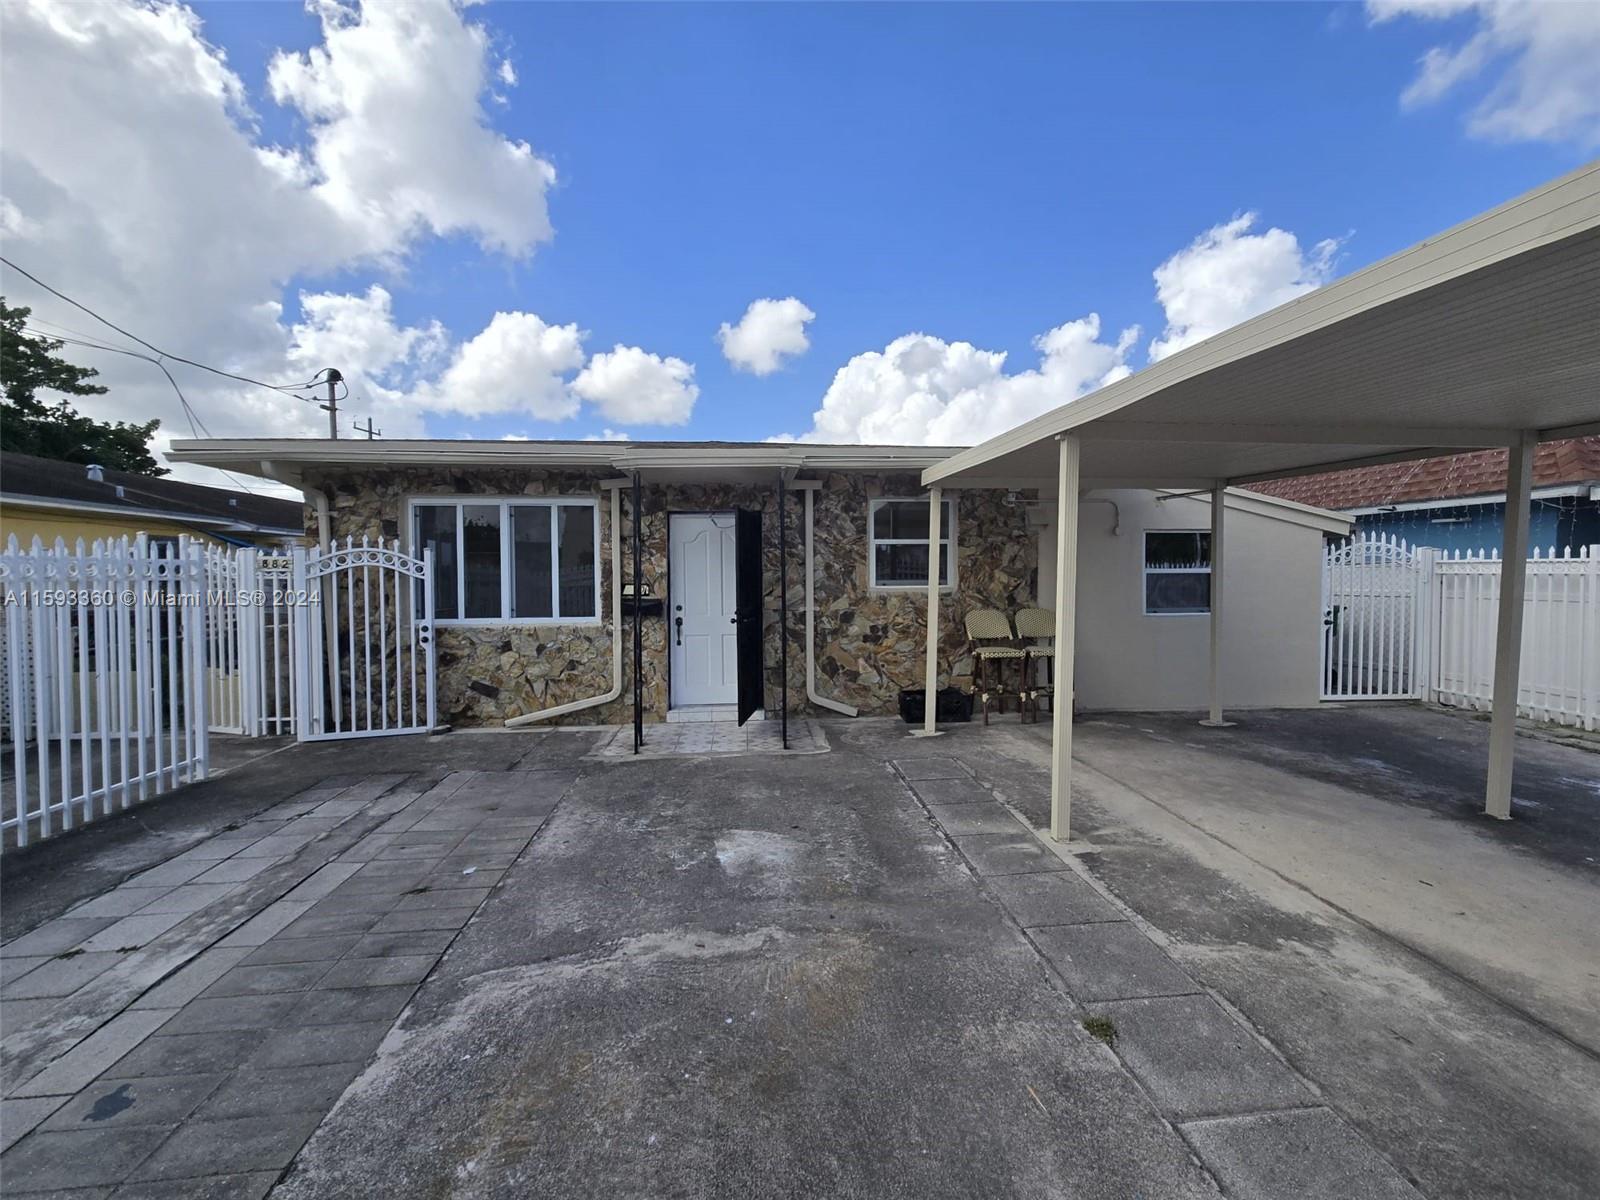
[(1480, 473)]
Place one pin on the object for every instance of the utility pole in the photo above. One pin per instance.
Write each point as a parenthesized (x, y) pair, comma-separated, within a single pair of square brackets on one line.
[(332, 406), (367, 429)]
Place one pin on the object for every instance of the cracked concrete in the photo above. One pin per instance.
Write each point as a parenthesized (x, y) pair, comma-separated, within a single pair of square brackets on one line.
[(500, 966)]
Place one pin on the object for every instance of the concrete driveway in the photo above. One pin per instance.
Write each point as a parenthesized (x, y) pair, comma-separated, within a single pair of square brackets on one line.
[(499, 964), (1329, 873)]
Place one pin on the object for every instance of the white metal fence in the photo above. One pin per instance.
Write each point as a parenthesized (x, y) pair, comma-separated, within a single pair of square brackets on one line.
[(250, 642), (1406, 622), (364, 636), (1375, 591), (1560, 676), (105, 679), (119, 660)]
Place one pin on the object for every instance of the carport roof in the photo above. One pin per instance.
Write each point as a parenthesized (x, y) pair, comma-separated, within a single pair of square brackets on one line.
[(1488, 329)]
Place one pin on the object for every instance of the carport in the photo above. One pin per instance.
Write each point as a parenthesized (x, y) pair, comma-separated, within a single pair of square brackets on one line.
[(1485, 336)]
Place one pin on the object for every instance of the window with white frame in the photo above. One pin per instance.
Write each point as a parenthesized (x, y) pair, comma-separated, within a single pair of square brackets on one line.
[(1177, 572), (899, 543), (523, 561)]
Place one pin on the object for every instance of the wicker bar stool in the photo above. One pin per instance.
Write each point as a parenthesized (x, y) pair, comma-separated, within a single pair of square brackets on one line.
[(1036, 627), (993, 643)]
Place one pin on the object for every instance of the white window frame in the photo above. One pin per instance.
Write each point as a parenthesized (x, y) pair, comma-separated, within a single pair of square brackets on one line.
[(1146, 570), (507, 574), (947, 539)]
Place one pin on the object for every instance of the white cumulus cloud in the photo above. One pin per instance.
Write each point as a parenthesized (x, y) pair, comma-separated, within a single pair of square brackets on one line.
[(399, 139), (133, 176), (922, 390), (769, 333), (517, 364), (1537, 63), (634, 387), (1229, 274)]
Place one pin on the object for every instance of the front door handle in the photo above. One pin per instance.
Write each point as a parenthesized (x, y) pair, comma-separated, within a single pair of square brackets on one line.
[(680, 630)]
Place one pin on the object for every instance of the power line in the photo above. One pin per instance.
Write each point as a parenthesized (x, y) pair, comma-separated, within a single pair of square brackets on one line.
[(276, 387), (93, 344), (194, 419)]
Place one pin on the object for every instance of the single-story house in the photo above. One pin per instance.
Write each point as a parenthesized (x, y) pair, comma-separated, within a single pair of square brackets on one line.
[(1458, 502), (48, 499), (530, 541)]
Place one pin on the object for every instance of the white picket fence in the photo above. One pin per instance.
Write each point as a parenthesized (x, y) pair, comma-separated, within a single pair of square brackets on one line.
[(1560, 675), (1409, 622), (251, 640), (104, 680), (119, 659)]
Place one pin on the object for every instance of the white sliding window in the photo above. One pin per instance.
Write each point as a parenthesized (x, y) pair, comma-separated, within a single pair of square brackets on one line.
[(512, 561)]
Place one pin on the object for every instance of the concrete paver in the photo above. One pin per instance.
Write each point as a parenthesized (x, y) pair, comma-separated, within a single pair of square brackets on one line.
[(1263, 1157), (247, 1144), (1113, 960), (1016, 853), (1051, 898), (973, 817), (59, 976), (1197, 1060), (78, 1066), (156, 1100), (55, 1161)]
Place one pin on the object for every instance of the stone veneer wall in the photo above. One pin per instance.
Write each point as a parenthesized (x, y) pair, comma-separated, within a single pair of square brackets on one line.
[(870, 643)]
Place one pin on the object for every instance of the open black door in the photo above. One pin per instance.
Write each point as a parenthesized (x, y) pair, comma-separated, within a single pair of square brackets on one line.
[(747, 588)]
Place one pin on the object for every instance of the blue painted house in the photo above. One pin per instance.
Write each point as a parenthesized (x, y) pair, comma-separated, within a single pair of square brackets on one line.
[(1458, 502)]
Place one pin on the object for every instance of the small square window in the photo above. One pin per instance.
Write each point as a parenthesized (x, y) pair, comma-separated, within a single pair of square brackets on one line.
[(1177, 572), (898, 555)]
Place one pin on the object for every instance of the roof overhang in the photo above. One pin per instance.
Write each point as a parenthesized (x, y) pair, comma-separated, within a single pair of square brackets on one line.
[(134, 513), (1465, 341), (1275, 508), (290, 459)]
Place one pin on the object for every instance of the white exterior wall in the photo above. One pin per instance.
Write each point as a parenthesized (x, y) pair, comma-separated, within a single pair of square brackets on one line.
[(1272, 629)]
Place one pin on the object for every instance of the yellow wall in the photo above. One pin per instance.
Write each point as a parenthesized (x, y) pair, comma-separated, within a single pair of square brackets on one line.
[(28, 523)]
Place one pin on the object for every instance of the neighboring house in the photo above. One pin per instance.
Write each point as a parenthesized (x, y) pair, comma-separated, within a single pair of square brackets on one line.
[(48, 499), (1458, 502), (522, 537)]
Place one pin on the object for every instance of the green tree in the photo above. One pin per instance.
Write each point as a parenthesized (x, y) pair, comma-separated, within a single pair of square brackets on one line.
[(29, 364)]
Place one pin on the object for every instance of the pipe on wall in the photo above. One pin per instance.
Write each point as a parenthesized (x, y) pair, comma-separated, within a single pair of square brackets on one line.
[(319, 498), (1116, 511), (812, 695), (544, 714)]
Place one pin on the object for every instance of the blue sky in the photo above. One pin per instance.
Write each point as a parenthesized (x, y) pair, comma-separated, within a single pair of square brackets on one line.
[(980, 174)]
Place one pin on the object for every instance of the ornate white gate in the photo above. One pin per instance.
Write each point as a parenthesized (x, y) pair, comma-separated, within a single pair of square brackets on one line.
[(1374, 619), (363, 641)]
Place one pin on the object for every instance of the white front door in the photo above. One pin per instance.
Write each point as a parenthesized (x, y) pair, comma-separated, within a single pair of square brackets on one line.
[(701, 623)]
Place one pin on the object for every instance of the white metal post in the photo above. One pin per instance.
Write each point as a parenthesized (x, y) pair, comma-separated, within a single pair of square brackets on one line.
[(1219, 506), (1066, 621), (200, 703), (931, 683), (1508, 628), (425, 636), (305, 655)]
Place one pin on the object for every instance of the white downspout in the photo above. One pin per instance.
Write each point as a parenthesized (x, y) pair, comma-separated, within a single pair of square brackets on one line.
[(573, 706), (848, 710)]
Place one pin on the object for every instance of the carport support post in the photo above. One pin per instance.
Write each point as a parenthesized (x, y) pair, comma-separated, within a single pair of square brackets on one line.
[(930, 696), (1219, 506), (1508, 629), (1066, 627)]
